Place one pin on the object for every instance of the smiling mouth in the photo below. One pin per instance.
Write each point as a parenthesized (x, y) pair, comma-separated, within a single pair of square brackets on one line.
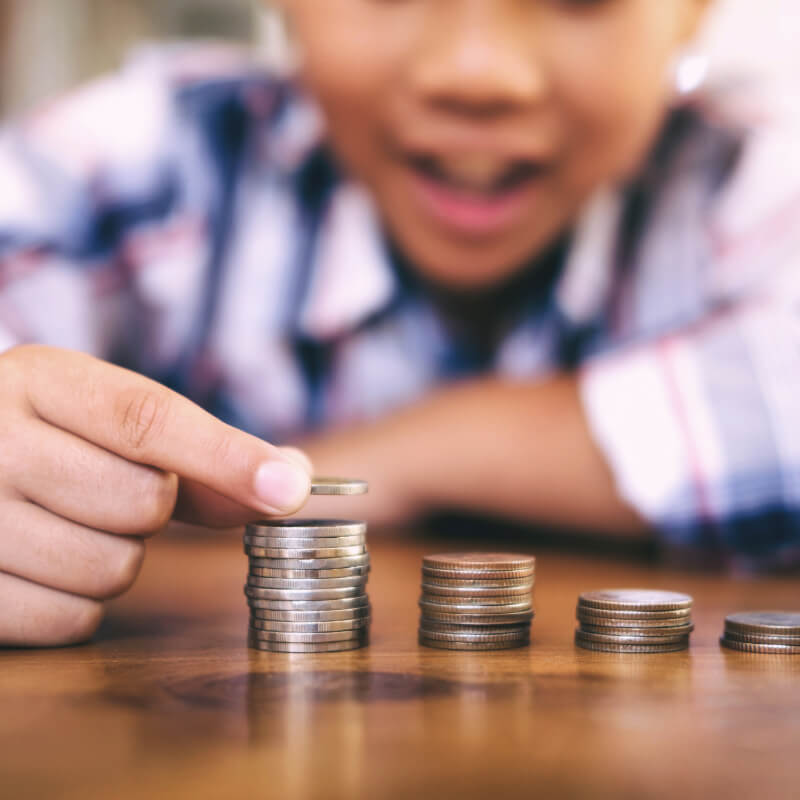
[(479, 177)]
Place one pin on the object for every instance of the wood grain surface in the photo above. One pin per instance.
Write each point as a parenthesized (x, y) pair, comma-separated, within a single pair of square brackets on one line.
[(168, 701)]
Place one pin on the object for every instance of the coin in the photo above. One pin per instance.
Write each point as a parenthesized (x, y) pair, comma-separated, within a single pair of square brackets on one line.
[(338, 486), (643, 622), (361, 560), (310, 627), (761, 638), (304, 544), (318, 647), (786, 623), (747, 647), (308, 584), (308, 605), (641, 630), (428, 624), (496, 561), (307, 638), (478, 583), (479, 619), (303, 594), (637, 616), (468, 636), (306, 528), (635, 600), (630, 648), (464, 606), (308, 552), (332, 615), (603, 638), (257, 567), (510, 592), (478, 574), (447, 645)]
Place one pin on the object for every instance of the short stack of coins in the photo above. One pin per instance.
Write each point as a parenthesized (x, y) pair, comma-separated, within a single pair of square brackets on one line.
[(476, 601), (634, 621), (763, 632), (306, 583)]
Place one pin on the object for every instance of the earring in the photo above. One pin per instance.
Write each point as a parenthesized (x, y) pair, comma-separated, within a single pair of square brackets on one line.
[(689, 72)]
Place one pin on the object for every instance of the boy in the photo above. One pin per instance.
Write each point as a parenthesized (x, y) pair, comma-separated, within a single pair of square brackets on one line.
[(509, 274)]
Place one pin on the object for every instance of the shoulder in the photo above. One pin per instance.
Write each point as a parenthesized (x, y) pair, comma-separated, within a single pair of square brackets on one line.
[(133, 116)]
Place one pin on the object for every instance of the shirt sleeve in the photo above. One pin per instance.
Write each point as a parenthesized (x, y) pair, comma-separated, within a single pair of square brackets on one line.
[(702, 430), (77, 177)]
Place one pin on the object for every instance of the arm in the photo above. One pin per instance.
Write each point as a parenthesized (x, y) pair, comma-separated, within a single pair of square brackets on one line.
[(522, 450)]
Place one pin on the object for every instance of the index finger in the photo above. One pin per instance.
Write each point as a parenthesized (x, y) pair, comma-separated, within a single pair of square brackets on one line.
[(145, 422)]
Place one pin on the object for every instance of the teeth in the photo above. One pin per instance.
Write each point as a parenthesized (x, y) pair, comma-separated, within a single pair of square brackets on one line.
[(479, 172)]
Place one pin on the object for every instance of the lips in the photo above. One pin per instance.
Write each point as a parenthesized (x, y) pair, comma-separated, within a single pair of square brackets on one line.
[(474, 194)]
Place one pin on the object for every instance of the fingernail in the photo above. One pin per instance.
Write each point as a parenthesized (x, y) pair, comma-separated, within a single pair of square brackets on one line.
[(299, 457), (282, 485)]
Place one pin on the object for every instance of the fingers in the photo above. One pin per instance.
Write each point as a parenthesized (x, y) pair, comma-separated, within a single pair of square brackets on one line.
[(36, 616), (146, 423), (46, 549), (84, 483)]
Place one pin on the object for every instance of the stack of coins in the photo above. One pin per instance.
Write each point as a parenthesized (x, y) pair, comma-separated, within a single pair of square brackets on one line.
[(306, 583), (476, 601), (634, 621), (776, 632)]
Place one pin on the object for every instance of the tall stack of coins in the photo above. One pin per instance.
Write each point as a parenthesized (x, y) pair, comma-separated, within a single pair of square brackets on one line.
[(476, 601), (306, 583), (634, 621), (776, 632)]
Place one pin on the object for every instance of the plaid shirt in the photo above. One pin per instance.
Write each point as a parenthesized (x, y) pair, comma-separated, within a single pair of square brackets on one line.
[(183, 219)]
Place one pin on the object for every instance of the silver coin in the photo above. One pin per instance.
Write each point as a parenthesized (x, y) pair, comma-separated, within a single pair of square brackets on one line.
[(476, 646), (303, 553), (303, 594), (480, 619), (308, 605), (361, 560), (306, 528), (255, 568), (523, 590), (305, 544), (307, 638), (762, 638), (481, 608), (478, 574), (470, 637), (786, 623), (628, 642), (475, 599), (320, 647), (676, 630), (428, 624), (338, 486), (490, 561), (306, 584), (478, 583), (334, 615), (635, 600), (613, 622), (631, 648), (598, 636), (310, 627), (763, 649), (643, 616)]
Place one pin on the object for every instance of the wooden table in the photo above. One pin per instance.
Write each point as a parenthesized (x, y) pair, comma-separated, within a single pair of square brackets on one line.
[(168, 702)]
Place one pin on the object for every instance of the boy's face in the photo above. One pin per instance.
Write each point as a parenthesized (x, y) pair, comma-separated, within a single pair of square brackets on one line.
[(482, 126)]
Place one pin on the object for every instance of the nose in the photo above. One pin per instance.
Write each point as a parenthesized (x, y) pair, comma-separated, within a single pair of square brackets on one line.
[(478, 60)]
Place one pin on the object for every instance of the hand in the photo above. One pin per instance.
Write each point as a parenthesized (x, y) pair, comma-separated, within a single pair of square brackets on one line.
[(93, 460)]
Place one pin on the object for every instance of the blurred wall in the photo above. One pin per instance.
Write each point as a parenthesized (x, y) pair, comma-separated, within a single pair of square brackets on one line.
[(49, 45)]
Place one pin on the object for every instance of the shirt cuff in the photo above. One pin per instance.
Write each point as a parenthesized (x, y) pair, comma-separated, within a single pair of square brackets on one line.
[(646, 410)]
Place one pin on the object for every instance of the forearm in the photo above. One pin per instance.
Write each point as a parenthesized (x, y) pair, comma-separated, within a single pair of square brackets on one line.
[(521, 450)]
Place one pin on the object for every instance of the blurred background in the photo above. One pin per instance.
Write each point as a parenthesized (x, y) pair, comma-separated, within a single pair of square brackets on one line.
[(47, 46)]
